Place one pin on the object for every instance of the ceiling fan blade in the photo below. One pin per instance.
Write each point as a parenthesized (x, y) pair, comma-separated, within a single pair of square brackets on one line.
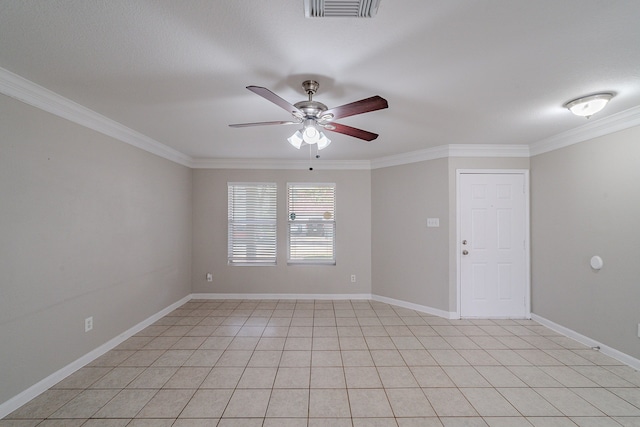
[(245, 125), (270, 96), (363, 106), (351, 131)]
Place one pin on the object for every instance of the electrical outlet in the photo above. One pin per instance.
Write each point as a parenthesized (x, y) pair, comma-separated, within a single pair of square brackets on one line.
[(88, 324), (353, 278), (209, 277)]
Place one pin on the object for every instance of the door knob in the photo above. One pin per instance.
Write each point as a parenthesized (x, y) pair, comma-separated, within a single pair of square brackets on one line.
[(464, 242), (465, 252)]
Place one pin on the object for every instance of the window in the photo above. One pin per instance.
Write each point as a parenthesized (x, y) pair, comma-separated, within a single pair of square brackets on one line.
[(311, 223), (251, 236)]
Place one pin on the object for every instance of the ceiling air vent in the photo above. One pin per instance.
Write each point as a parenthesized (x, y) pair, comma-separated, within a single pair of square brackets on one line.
[(341, 8)]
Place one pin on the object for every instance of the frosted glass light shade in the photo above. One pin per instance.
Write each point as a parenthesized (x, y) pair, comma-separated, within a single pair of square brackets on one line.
[(589, 105), (296, 139), (323, 142), (311, 135)]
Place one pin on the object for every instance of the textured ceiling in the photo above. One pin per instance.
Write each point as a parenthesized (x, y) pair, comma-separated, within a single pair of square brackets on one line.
[(454, 72)]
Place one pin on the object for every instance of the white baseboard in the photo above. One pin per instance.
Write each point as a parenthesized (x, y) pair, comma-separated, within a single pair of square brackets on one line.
[(417, 307), (604, 349), (399, 303), (282, 296), (35, 390), (17, 401)]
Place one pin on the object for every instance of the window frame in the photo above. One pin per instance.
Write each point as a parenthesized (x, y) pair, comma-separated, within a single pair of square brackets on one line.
[(269, 260), (332, 222)]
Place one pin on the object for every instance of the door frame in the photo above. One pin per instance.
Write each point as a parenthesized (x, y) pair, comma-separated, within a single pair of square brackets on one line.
[(527, 244)]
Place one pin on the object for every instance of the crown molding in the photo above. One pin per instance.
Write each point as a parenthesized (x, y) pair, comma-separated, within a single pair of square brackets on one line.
[(26, 91), (433, 153), (440, 152), (37, 96), (280, 164), (452, 150), (613, 123), (488, 150)]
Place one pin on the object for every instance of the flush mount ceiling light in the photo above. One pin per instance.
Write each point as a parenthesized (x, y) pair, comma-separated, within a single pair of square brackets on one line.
[(588, 105)]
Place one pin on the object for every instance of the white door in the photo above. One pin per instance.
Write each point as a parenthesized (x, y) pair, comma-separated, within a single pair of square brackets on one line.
[(493, 245)]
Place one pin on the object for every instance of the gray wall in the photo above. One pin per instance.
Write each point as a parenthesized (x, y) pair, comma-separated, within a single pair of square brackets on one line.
[(89, 226), (410, 260), (585, 202), (353, 236)]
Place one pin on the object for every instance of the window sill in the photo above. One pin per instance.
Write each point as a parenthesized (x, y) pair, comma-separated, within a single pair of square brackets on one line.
[(332, 262)]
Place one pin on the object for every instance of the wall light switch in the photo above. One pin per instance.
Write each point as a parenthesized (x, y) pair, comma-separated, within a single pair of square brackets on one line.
[(209, 277), (433, 222)]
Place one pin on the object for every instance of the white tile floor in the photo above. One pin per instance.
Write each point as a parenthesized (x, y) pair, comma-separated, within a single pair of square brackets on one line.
[(339, 363)]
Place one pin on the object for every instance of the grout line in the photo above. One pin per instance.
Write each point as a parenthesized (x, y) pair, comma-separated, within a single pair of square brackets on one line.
[(569, 352)]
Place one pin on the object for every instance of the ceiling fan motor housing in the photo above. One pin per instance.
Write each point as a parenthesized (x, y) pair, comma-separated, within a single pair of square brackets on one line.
[(311, 109)]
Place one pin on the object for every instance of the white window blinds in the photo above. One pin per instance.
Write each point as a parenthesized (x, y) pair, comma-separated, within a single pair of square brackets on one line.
[(252, 223), (311, 223)]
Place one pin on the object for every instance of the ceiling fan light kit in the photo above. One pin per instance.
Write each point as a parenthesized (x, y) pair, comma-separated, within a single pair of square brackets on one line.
[(588, 105), (296, 139), (314, 116)]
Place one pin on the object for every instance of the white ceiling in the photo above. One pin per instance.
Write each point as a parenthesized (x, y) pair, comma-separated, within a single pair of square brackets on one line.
[(453, 72)]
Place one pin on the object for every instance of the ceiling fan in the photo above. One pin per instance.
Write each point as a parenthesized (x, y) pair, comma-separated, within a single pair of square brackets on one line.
[(315, 116)]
